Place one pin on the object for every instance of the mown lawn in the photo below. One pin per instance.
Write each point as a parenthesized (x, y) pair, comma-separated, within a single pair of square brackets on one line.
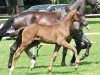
[(89, 66)]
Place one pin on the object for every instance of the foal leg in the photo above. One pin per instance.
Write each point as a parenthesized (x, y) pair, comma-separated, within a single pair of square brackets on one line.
[(17, 54), (25, 42), (65, 44), (57, 47)]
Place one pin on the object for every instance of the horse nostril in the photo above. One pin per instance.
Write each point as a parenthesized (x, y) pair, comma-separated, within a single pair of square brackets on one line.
[(85, 23)]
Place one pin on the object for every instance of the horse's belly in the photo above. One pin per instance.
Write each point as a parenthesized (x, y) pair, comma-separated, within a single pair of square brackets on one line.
[(47, 37)]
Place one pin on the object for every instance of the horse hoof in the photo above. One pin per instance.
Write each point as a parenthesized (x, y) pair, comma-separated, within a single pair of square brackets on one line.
[(50, 70), (50, 73), (9, 65), (10, 71), (63, 64), (72, 64), (33, 62)]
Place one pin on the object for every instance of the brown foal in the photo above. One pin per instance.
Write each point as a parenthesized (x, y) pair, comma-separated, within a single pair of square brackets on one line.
[(53, 34)]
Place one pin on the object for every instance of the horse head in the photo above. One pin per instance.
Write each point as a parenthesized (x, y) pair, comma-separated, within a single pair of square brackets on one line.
[(80, 18)]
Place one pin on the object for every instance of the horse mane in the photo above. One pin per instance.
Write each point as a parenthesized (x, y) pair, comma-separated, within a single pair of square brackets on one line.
[(91, 2)]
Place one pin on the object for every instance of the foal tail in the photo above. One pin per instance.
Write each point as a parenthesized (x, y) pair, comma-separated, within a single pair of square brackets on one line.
[(6, 26)]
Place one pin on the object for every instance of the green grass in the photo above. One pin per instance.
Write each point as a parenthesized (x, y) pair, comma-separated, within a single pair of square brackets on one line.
[(89, 66)]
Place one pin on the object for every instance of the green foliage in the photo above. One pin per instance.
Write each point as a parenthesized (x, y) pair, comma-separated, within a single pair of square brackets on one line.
[(88, 9)]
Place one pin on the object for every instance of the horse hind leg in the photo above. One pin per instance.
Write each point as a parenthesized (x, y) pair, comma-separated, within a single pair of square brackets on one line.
[(25, 43), (63, 56), (13, 49), (30, 55), (64, 53), (86, 54), (88, 45), (65, 44)]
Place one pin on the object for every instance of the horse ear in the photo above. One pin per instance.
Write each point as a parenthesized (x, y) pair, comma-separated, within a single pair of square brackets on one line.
[(66, 8), (78, 13)]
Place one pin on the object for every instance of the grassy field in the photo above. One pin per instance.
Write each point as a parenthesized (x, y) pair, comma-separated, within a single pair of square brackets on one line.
[(89, 66)]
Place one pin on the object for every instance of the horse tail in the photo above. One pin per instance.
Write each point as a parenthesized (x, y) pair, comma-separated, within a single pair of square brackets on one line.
[(6, 26)]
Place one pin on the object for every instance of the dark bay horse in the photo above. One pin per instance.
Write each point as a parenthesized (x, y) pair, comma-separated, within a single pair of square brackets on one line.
[(24, 19), (56, 33), (81, 4)]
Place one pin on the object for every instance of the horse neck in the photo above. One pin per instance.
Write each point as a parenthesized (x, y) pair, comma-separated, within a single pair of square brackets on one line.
[(68, 20), (61, 13), (91, 2)]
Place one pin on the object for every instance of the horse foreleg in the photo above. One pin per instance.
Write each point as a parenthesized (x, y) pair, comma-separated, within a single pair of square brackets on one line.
[(78, 47), (57, 47), (88, 45), (64, 53), (64, 56), (65, 44)]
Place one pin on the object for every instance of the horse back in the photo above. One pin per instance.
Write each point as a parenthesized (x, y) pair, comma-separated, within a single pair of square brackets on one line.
[(27, 18)]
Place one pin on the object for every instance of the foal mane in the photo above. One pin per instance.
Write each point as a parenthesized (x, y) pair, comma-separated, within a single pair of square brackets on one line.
[(70, 15)]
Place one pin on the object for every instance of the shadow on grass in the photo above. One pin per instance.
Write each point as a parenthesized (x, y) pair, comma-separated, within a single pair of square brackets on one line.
[(94, 22), (46, 66), (47, 73), (38, 66), (88, 63), (22, 67), (85, 63)]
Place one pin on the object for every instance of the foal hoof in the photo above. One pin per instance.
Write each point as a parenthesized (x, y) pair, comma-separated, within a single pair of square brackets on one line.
[(32, 66), (50, 69), (76, 67)]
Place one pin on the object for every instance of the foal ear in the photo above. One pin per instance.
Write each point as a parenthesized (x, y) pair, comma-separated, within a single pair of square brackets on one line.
[(72, 12), (78, 13)]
